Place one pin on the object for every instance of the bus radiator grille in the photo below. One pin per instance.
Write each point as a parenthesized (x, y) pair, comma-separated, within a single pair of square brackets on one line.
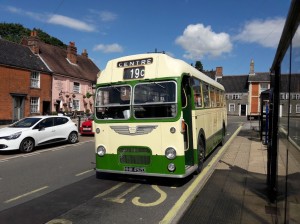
[(138, 156)]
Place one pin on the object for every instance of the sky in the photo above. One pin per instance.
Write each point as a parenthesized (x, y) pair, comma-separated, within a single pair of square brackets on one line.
[(226, 33)]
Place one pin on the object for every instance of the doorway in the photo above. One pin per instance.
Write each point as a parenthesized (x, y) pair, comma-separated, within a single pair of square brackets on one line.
[(243, 109), (18, 109)]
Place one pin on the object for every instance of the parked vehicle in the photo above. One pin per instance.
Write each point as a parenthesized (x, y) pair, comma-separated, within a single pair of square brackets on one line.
[(34, 131), (86, 127)]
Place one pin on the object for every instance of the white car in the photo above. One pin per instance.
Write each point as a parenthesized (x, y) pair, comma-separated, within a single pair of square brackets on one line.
[(34, 131)]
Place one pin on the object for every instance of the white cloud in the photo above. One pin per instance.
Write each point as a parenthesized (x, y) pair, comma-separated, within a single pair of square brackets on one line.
[(109, 48), (199, 41), (54, 19), (107, 16), (71, 23), (264, 32), (36, 16)]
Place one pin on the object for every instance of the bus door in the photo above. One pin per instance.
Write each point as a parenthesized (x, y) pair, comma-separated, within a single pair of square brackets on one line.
[(187, 116)]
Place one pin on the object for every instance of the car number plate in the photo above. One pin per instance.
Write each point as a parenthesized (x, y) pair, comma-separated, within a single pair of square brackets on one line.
[(134, 169), (86, 129)]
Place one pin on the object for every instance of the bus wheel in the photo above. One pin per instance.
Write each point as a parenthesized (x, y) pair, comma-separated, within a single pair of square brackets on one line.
[(223, 136), (201, 156), (27, 145)]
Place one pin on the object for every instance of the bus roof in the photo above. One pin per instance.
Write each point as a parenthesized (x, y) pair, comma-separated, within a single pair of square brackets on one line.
[(157, 65)]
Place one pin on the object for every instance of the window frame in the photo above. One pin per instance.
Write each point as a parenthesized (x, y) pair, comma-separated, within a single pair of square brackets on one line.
[(35, 79)]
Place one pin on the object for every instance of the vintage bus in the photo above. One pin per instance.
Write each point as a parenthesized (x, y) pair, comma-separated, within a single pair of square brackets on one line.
[(156, 116)]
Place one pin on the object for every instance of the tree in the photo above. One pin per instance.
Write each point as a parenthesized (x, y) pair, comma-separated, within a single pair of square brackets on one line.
[(14, 32), (199, 66)]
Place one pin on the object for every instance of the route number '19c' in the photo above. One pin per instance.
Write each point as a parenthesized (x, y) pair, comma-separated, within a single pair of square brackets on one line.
[(134, 73)]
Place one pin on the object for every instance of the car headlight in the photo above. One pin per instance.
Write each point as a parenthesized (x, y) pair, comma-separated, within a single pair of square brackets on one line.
[(101, 150), (13, 136), (170, 153)]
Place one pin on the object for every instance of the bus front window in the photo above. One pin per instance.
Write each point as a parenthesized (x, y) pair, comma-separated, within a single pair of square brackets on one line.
[(113, 102), (155, 100)]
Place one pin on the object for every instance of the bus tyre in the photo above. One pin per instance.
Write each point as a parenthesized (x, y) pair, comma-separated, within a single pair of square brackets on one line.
[(201, 155), (223, 136), (73, 137), (27, 145)]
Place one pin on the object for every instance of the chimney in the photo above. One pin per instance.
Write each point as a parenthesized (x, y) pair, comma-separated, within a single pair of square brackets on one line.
[(72, 53), (219, 72), (33, 42), (84, 53), (252, 67)]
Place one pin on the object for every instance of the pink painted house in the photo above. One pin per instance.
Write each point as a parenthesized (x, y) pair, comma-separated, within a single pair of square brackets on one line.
[(73, 75)]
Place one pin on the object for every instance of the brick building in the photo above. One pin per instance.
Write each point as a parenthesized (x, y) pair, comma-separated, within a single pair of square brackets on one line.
[(73, 75), (25, 83)]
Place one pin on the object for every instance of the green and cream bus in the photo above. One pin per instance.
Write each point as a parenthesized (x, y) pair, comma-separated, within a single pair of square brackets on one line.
[(156, 116)]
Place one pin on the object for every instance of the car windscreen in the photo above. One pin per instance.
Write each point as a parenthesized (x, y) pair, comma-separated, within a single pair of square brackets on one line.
[(25, 123)]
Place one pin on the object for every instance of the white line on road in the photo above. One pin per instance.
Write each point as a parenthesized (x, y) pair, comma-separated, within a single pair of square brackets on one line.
[(79, 174), (26, 194)]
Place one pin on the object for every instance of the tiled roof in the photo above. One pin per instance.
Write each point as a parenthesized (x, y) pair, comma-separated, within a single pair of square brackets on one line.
[(235, 84), (56, 59), (260, 77), (16, 55)]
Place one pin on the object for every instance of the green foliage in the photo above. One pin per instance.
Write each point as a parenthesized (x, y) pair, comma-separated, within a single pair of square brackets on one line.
[(15, 32), (199, 66), (88, 95)]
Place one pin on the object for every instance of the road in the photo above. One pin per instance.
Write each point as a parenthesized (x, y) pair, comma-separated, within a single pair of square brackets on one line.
[(58, 185)]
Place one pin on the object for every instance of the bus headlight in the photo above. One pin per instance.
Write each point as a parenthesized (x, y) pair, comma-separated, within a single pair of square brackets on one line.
[(171, 167), (101, 150), (97, 130), (170, 153)]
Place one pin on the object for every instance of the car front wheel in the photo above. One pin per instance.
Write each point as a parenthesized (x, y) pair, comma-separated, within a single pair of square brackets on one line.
[(27, 145), (73, 137)]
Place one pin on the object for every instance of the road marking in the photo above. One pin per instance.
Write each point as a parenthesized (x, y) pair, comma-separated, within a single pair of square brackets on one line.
[(59, 221), (163, 197), (110, 190), (204, 175), (31, 154), (79, 174), (119, 198), (26, 194)]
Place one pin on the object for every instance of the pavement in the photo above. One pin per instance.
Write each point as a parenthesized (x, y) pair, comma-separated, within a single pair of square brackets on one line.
[(236, 191)]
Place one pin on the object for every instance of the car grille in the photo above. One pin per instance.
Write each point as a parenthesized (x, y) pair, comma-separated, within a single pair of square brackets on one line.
[(134, 155)]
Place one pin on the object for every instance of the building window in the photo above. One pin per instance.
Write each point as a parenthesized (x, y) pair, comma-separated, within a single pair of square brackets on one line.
[(295, 96), (263, 87), (76, 87), (282, 96), (76, 105), (231, 107), (227, 96), (35, 80), (298, 108), (34, 105), (236, 97)]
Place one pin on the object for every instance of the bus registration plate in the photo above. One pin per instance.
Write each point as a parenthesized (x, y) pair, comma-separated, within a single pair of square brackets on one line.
[(134, 169)]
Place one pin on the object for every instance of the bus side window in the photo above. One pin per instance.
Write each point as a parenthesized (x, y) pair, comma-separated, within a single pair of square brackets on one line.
[(197, 93), (206, 95)]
